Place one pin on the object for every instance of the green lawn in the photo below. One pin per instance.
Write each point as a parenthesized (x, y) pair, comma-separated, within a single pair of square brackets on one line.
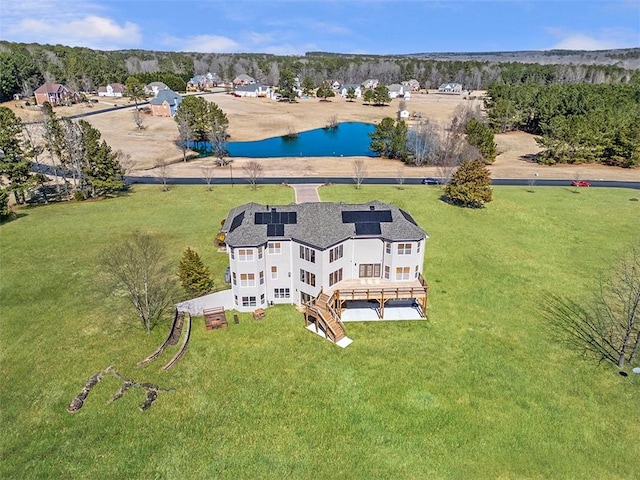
[(478, 390)]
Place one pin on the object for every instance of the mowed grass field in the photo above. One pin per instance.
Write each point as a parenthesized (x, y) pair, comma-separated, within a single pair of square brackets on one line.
[(479, 390)]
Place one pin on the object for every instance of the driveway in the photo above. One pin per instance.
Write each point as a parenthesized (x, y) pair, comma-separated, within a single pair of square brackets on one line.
[(306, 192)]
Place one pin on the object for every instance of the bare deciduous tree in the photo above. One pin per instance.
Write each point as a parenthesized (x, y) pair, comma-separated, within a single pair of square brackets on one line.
[(359, 172), (138, 118), (607, 326), (253, 170), (207, 174), (184, 135), (218, 140), (138, 265), (162, 173), (423, 143), (400, 177)]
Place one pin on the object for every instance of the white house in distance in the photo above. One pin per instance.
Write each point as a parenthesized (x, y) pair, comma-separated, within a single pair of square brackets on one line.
[(111, 90), (154, 87), (397, 90), (324, 255), (345, 88), (253, 90), (450, 87)]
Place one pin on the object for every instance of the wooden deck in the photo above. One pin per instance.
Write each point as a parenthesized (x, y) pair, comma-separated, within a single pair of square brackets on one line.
[(380, 290)]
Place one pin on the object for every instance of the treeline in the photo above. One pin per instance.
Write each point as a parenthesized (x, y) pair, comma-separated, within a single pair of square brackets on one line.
[(577, 123), (23, 67)]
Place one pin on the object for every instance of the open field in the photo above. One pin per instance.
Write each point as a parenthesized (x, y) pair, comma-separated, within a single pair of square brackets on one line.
[(478, 390), (259, 118)]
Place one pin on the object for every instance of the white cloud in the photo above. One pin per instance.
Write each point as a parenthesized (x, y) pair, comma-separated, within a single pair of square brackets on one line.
[(91, 31), (603, 40), (200, 43)]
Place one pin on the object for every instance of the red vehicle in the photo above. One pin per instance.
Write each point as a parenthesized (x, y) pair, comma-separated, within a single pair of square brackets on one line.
[(580, 183)]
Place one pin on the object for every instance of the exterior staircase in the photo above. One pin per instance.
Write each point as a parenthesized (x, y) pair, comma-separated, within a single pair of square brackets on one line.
[(326, 318)]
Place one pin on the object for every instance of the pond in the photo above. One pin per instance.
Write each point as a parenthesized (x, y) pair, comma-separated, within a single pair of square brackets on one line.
[(347, 139)]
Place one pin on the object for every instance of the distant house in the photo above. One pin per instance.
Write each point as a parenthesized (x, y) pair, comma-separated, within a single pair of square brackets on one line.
[(370, 83), (450, 87), (54, 93), (345, 88), (253, 90), (411, 85), (111, 90), (154, 87), (403, 114), (335, 84), (398, 91), (165, 103), (243, 79), (201, 82)]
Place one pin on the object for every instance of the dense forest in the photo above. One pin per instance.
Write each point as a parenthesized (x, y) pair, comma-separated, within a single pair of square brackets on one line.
[(577, 123), (24, 67)]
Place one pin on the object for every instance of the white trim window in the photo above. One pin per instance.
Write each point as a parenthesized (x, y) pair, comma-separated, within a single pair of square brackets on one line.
[(260, 252), (308, 278), (387, 272), (247, 279), (275, 248), (403, 273), (274, 272), (248, 301), (245, 254), (404, 249), (261, 277), (335, 253), (308, 254), (335, 277), (281, 293), (387, 247)]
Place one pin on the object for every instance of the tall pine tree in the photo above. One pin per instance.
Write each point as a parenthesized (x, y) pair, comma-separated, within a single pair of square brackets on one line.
[(195, 277), (470, 185)]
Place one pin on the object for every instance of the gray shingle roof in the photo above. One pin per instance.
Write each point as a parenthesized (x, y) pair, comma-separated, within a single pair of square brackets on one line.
[(169, 95), (319, 224)]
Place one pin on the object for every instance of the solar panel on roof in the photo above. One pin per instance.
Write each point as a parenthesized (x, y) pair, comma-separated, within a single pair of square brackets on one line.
[(260, 218), (275, 230), (368, 228), (408, 217), (237, 221), (366, 216)]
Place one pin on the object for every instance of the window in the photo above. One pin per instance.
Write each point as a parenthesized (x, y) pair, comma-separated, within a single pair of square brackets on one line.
[(305, 297), (245, 254), (235, 299), (261, 276), (418, 248), (281, 293), (402, 273), (308, 254), (369, 270), (274, 248), (234, 279), (248, 301), (260, 252), (233, 255), (404, 249), (416, 274), (274, 272), (247, 279), (387, 272), (308, 278), (335, 277), (335, 253), (262, 299), (388, 247)]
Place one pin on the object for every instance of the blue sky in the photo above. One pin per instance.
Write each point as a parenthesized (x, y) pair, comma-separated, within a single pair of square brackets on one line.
[(292, 27)]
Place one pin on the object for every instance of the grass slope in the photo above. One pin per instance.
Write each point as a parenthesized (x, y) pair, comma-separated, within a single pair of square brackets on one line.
[(477, 391)]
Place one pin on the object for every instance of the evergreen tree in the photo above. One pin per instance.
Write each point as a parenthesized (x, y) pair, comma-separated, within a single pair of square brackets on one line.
[(5, 211), (101, 167), (351, 94), (381, 95), (325, 91), (14, 165), (470, 185), (308, 85), (481, 136), (389, 139), (286, 85), (195, 277), (368, 96)]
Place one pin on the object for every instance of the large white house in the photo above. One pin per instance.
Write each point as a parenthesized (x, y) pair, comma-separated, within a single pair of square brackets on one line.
[(295, 253)]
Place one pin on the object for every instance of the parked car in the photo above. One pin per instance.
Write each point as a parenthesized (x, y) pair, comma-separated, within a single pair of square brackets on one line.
[(431, 181), (580, 183)]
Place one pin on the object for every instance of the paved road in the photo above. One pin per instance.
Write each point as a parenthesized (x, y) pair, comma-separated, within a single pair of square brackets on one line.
[(315, 181), (374, 181)]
